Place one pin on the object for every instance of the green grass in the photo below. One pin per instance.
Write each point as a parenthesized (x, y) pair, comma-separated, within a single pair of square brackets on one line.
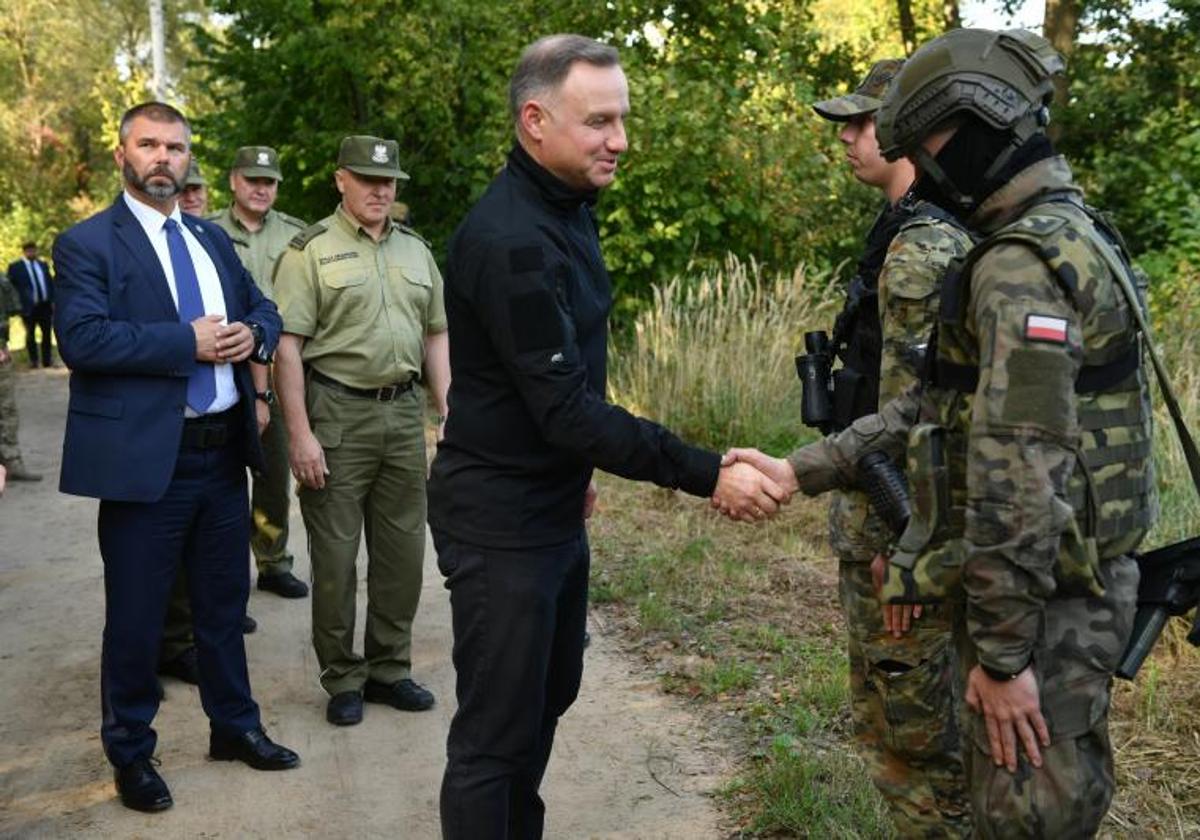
[(804, 791), (743, 621)]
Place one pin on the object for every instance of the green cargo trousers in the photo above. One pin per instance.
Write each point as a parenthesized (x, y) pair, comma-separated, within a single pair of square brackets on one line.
[(375, 454), (9, 451), (902, 697), (1068, 796), (269, 501)]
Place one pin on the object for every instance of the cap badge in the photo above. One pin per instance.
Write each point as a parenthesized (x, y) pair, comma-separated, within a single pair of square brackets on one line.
[(264, 159), (380, 154)]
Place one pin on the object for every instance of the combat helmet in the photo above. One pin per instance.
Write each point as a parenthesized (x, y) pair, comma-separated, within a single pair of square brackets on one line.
[(1003, 78)]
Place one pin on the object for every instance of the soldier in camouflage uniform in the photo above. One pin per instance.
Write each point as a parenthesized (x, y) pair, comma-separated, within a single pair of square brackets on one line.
[(10, 452), (901, 677), (1032, 432)]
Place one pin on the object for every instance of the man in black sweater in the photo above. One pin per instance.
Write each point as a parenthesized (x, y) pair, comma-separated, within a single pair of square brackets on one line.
[(527, 299)]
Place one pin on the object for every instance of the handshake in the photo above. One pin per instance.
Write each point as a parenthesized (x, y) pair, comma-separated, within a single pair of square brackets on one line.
[(752, 485)]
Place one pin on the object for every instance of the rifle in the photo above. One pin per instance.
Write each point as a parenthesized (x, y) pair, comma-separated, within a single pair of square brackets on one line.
[(1170, 586)]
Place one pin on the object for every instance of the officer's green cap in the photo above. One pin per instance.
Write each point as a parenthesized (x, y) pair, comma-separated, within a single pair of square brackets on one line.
[(193, 177), (257, 162), (866, 98), (371, 156)]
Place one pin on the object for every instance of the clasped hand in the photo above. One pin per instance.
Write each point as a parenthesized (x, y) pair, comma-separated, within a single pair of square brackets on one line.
[(222, 343), (752, 485)]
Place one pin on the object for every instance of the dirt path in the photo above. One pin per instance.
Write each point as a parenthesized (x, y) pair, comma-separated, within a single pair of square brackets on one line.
[(627, 763)]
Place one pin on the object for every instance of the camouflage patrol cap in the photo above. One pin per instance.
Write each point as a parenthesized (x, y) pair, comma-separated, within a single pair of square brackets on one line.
[(371, 156), (194, 178), (257, 162), (866, 98), (1004, 78)]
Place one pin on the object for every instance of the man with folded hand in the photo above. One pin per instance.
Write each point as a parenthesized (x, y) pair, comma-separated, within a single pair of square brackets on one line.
[(157, 320)]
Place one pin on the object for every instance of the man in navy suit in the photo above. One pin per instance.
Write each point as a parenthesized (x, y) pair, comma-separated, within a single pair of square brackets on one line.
[(158, 320), (31, 278)]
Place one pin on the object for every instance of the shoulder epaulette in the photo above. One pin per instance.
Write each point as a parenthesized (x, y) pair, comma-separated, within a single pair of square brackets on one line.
[(922, 212), (291, 220), (301, 239), (406, 229)]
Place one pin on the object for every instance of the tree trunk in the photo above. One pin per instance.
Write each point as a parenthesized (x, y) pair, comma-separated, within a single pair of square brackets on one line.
[(908, 26), (951, 17), (1060, 26)]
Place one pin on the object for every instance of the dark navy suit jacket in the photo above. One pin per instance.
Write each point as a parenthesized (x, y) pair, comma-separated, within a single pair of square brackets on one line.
[(18, 275), (119, 331)]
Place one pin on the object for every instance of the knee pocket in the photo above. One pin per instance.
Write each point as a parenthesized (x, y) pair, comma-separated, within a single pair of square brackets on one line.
[(1066, 798), (916, 694)]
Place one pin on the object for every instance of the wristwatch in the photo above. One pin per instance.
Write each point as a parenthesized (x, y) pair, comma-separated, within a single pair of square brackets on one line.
[(259, 353), (1003, 676), (267, 396)]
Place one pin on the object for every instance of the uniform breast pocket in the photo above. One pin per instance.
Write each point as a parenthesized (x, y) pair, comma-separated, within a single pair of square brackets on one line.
[(414, 285), (346, 290)]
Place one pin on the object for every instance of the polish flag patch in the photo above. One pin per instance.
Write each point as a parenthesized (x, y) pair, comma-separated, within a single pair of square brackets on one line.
[(1046, 328)]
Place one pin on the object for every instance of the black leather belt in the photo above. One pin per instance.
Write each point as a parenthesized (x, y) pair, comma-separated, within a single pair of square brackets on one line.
[(385, 394), (211, 431)]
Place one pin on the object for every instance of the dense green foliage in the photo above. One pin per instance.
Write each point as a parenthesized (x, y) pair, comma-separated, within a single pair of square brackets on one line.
[(725, 155), (1133, 132)]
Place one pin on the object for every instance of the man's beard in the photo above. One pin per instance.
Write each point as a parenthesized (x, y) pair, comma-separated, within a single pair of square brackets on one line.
[(159, 191)]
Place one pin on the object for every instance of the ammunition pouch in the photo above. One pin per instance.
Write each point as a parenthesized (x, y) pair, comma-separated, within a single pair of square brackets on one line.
[(1077, 566), (926, 564)]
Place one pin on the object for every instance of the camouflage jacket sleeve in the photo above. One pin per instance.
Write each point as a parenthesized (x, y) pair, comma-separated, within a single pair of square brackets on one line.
[(830, 463), (10, 304), (909, 286), (1020, 450)]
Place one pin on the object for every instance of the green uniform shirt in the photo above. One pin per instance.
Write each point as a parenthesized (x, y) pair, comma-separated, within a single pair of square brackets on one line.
[(364, 307), (258, 250)]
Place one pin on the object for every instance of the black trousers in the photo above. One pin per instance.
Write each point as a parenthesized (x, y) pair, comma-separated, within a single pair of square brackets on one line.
[(519, 618), (41, 317), (203, 524)]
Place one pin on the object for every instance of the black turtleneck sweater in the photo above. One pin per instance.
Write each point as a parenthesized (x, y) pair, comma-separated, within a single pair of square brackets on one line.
[(527, 299)]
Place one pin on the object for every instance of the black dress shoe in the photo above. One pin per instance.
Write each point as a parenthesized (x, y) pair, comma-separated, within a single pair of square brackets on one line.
[(184, 667), (141, 788), (345, 708), (249, 625), (284, 584), (254, 748), (405, 695)]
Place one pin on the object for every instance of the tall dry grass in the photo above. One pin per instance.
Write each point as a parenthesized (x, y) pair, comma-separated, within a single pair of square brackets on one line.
[(712, 356)]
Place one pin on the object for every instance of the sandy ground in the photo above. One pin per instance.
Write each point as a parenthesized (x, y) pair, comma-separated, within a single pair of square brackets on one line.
[(627, 762)]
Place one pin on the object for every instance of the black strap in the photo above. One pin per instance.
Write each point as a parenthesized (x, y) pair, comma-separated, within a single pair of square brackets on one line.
[(385, 394), (1092, 379)]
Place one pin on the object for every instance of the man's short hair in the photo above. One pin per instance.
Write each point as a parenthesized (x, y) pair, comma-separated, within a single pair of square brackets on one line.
[(25, 246), (546, 62), (157, 111)]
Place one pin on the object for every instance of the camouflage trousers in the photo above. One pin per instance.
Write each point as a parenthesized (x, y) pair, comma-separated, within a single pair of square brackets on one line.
[(1070, 794), (903, 700), (9, 451)]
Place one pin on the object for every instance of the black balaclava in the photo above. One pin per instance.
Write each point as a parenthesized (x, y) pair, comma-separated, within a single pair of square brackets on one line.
[(966, 159)]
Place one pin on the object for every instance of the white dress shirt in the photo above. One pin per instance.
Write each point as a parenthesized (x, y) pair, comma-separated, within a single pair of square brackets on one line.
[(154, 223), (39, 282)]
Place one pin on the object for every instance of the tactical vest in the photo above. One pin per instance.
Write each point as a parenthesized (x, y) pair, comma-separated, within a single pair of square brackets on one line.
[(1112, 491), (857, 336)]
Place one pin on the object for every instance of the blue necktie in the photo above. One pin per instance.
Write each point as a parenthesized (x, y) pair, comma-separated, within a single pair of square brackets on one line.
[(202, 384)]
